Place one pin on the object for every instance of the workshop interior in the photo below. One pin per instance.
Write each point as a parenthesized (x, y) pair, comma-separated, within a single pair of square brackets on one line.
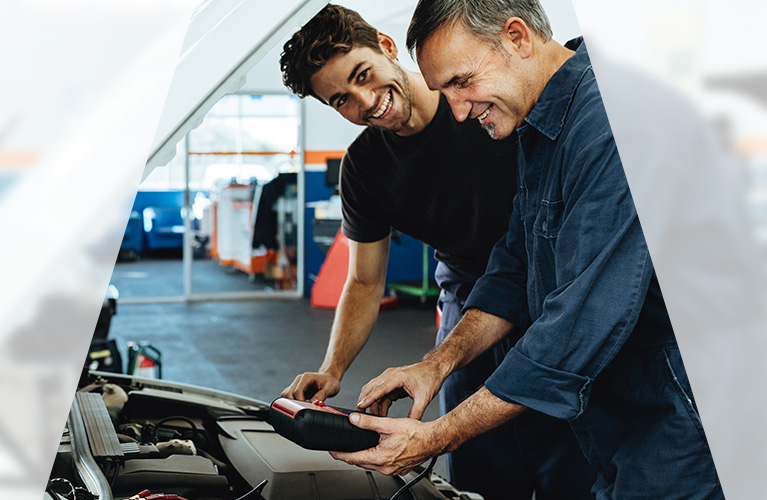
[(225, 285)]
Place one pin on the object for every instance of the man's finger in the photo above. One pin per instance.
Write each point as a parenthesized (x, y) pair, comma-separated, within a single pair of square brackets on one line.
[(298, 393), (418, 408), (362, 458), (378, 392), (375, 409), (368, 459), (320, 395), (385, 405), (372, 391), (375, 382), (291, 389)]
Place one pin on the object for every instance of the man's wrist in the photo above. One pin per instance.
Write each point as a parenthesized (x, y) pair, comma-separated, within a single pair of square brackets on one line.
[(438, 363), (332, 371), (444, 436)]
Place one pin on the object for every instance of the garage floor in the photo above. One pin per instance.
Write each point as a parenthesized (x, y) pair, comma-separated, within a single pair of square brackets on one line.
[(255, 348), (161, 275)]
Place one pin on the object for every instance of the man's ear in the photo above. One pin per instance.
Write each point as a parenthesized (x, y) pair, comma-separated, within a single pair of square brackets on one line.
[(517, 37), (387, 46)]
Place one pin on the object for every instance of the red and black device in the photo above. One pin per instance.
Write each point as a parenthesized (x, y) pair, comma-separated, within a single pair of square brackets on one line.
[(317, 426)]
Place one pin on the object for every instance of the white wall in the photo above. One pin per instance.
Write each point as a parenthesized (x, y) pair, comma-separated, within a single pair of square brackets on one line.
[(325, 129)]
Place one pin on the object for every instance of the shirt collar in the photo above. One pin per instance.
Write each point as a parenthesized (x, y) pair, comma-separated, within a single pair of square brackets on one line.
[(548, 114)]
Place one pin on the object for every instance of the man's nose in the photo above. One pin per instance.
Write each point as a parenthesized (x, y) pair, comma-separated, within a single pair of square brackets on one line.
[(460, 106), (366, 98)]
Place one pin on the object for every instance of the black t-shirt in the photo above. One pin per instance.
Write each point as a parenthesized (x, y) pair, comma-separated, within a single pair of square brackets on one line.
[(450, 186)]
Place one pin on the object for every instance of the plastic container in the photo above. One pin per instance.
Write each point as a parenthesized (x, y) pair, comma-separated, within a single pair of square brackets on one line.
[(144, 360)]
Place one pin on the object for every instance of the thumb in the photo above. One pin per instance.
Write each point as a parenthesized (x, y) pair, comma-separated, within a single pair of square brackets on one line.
[(364, 421)]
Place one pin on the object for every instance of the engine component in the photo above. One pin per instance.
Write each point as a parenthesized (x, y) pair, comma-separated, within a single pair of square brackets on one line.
[(171, 471), (114, 398), (257, 452), (98, 426), (176, 447)]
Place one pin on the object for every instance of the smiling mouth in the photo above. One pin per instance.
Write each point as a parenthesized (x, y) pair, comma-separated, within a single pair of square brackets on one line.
[(384, 107), (485, 113)]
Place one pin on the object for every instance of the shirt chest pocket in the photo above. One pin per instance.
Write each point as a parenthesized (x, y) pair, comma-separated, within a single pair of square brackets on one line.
[(548, 221)]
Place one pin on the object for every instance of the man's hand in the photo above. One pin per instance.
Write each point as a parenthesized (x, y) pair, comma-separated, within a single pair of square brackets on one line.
[(405, 443), (316, 386), (420, 381)]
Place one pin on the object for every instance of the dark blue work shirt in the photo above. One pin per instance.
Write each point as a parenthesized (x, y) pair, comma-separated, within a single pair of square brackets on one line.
[(574, 261)]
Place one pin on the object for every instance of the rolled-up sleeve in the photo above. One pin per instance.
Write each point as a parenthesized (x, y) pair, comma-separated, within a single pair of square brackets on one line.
[(588, 289)]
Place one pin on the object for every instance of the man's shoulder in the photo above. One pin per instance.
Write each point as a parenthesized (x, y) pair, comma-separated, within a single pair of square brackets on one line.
[(366, 156), (586, 116), (586, 142), (587, 98)]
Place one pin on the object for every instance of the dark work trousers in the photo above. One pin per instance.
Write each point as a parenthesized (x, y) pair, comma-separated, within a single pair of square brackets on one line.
[(534, 453)]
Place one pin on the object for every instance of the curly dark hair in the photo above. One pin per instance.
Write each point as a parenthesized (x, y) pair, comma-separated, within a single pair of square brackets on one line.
[(334, 30)]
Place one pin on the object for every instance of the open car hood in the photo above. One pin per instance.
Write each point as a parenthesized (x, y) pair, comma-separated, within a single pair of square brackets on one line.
[(225, 39)]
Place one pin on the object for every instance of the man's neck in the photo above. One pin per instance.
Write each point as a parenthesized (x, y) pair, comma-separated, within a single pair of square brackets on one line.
[(555, 55), (424, 103)]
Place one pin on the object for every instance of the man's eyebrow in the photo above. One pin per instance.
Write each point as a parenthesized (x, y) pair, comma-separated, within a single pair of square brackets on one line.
[(453, 81), (349, 80), (354, 72)]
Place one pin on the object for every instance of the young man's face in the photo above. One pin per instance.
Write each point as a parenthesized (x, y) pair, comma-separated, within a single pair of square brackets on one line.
[(482, 80), (366, 87)]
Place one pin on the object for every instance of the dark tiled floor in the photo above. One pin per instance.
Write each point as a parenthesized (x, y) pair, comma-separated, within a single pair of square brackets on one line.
[(161, 275), (255, 348)]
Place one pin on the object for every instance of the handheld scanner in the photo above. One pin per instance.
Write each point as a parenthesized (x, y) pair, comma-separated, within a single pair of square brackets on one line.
[(317, 426)]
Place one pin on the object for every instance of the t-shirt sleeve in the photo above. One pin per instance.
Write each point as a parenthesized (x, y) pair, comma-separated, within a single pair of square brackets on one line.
[(362, 220), (602, 272)]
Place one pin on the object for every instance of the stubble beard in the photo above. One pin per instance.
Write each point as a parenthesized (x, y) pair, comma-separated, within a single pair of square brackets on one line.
[(490, 129), (402, 80)]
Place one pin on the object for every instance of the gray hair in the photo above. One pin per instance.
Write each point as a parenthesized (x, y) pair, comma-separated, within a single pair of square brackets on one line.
[(483, 18)]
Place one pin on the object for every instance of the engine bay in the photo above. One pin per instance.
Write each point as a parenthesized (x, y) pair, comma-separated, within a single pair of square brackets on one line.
[(133, 438)]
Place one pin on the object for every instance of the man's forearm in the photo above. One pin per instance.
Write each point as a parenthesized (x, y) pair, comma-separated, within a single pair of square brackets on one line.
[(479, 413), (356, 315), (474, 334)]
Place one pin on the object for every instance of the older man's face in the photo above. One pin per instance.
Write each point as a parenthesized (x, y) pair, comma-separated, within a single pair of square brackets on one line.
[(480, 79)]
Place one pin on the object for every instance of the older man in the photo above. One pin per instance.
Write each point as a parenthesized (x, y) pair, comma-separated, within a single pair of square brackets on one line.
[(600, 353)]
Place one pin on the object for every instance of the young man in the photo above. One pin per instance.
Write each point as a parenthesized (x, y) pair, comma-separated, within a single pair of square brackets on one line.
[(600, 352), (448, 184)]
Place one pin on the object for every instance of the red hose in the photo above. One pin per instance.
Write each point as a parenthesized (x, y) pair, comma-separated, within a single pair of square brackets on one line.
[(147, 495)]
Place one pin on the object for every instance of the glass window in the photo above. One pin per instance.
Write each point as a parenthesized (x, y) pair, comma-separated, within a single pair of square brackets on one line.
[(242, 137), (243, 160)]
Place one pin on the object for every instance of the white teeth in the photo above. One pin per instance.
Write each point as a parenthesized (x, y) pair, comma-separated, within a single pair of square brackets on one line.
[(383, 107), (484, 115)]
